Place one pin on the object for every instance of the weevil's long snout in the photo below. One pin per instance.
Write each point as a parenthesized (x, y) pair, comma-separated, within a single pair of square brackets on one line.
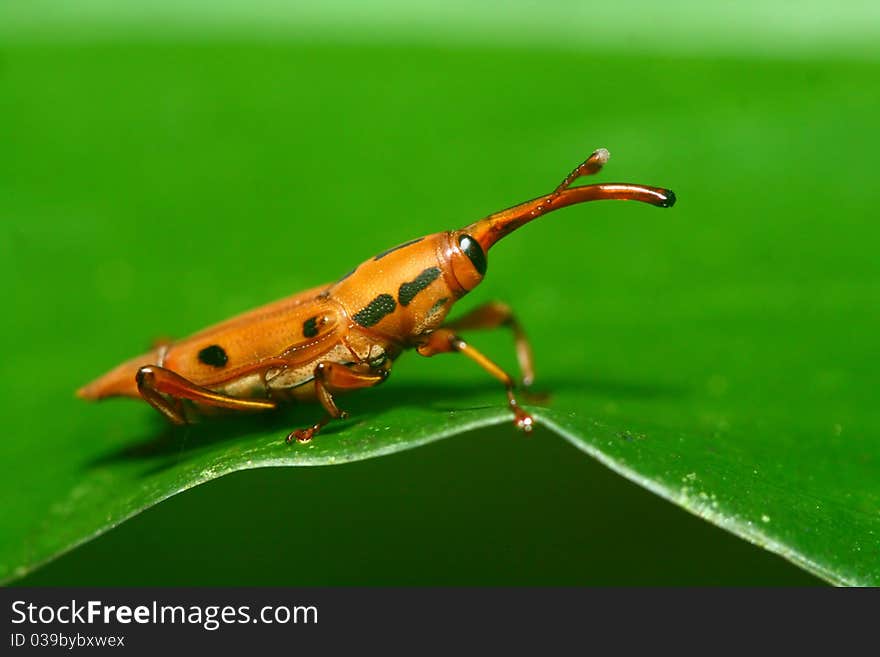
[(489, 230)]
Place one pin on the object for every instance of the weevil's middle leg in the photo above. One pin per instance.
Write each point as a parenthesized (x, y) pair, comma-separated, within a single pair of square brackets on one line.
[(444, 341), (494, 315), (164, 390), (336, 377)]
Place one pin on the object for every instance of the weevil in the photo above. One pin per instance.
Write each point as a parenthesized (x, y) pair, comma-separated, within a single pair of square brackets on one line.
[(345, 335)]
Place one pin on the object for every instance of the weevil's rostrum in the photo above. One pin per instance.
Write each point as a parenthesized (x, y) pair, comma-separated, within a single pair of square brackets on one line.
[(345, 335)]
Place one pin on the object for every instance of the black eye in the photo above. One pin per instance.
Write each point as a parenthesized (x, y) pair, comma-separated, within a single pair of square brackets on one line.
[(474, 251)]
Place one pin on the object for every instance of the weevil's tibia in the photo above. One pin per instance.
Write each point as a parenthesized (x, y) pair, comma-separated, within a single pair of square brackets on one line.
[(164, 389), (494, 315), (336, 377), (444, 341), (489, 230)]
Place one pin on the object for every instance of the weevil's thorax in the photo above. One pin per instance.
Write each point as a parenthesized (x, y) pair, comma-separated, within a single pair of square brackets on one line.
[(408, 290)]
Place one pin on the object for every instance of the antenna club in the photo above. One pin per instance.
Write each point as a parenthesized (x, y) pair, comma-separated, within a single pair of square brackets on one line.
[(602, 155)]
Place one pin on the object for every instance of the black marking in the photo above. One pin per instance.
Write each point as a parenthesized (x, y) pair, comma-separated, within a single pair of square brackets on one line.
[(438, 305), (395, 248), (670, 199), (408, 291), (214, 356), (310, 327), (474, 251), (374, 311)]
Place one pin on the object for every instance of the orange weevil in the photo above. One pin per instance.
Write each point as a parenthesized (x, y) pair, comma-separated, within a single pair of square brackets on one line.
[(345, 335)]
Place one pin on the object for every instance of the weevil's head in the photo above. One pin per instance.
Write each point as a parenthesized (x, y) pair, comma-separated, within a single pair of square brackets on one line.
[(466, 258), (407, 290), (485, 233)]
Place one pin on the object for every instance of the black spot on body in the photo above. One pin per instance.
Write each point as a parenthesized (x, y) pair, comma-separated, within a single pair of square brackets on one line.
[(438, 305), (215, 356), (408, 291), (310, 327), (395, 248), (474, 252), (374, 311)]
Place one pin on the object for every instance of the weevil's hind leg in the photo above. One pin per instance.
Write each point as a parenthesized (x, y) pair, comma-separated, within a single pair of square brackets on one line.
[(164, 390), (444, 341), (172, 410), (494, 315), (336, 377)]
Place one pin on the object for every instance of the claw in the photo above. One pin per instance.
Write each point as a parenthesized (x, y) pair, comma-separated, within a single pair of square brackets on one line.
[(524, 422), (300, 435)]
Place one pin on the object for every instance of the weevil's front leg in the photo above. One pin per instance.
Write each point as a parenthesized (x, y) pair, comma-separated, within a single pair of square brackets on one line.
[(493, 315), (336, 377), (444, 341), (164, 389)]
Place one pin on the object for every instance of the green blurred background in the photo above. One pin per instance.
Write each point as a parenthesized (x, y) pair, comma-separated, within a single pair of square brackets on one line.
[(166, 167)]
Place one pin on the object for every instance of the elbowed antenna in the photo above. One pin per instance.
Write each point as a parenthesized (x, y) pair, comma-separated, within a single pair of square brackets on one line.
[(489, 230)]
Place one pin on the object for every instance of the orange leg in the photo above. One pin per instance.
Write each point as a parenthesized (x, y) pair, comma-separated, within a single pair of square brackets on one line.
[(336, 377), (444, 341), (492, 315), (164, 390)]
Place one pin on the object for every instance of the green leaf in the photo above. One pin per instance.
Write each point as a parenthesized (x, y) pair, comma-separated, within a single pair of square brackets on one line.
[(721, 354)]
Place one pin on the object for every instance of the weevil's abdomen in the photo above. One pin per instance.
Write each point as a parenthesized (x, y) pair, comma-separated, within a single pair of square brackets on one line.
[(297, 329), (213, 357), (120, 381)]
